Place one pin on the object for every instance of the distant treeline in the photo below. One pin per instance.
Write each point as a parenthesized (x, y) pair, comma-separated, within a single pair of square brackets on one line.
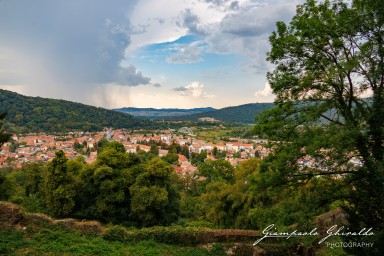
[(238, 114), (35, 114)]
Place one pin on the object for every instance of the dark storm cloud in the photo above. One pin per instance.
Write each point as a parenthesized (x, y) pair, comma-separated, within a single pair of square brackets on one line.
[(78, 43)]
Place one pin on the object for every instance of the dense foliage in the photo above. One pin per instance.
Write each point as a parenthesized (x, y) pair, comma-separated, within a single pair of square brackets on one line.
[(142, 190), (238, 114), (327, 59), (4, 136), (119, 188), (35, 114)]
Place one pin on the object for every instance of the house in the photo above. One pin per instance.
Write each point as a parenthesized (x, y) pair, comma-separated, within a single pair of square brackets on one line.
[(182, 159), (92, 157), (221, 147), (182, 142), (163, 152), (246, 147), (196, 147), (178, 169), (233, 146), (144, 147), (208, 146), (166, 138), (3, 162)]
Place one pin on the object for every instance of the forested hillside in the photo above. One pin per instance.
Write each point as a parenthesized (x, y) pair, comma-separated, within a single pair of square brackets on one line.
[(238, 114), (163, 112), (35, 114)]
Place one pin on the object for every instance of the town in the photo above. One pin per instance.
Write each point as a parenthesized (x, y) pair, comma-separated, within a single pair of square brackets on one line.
[(23, 149)]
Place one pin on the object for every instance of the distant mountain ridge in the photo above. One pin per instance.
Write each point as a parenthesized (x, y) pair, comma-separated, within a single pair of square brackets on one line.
[(163, 112), (236, 114), (35, 114)]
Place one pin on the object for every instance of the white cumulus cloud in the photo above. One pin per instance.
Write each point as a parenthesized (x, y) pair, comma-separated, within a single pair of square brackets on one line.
[(194, 89), (265, 95)]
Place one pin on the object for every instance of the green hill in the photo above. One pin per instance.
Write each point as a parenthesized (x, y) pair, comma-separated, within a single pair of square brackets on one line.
[(163, 112), (238, 114), (35, 114)]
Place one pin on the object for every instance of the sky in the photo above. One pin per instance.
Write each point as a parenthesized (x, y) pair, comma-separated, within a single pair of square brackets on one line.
[(140, 53)]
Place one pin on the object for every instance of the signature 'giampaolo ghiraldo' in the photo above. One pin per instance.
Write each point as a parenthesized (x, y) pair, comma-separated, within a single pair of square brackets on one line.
[(271, 231)]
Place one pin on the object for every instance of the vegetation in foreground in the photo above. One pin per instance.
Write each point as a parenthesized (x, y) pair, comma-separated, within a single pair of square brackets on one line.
[(61, 241)]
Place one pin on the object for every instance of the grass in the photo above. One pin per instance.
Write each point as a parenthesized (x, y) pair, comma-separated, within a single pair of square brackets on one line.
[(61, 241)]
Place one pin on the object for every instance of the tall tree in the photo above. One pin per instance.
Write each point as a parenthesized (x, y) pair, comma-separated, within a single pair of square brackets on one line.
[(59, 189), (106, 183), (327, 61), (155, 199)]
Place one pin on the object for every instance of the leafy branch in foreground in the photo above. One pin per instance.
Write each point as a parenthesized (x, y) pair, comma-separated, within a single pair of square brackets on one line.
[(328, 60)]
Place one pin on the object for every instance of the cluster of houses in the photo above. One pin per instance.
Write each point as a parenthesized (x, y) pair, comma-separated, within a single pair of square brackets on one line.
[(32, 148)]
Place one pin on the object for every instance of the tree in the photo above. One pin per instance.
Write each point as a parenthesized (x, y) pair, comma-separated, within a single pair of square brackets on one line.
[(4, 136), (105, 184), (171, 158), (227, 205), (215, 151), (197, 158), (326, 60), (59, 189), (216, 170), (113, 154), (155, 199), (154, 150), (184, 151)]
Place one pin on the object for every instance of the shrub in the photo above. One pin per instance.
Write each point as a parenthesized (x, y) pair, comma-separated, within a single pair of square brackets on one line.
[(116, 233)]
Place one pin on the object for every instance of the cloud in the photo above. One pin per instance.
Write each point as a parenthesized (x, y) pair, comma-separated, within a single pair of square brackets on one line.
[(65, 48), (265, 95), (117, 96), (192, 22), (131, 77), (226, 27), (234, 5), (190, 53), (223, 4), (217, 2), (243, 29), (194, 89), (180, 89), (71, 49)]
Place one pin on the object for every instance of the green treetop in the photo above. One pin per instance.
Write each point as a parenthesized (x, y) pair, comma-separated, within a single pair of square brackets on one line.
[(328, 59)]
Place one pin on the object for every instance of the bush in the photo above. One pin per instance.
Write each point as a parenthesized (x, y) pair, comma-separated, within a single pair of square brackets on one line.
[(116, 233), (217, 250), (200, 224), (10, 241), (168, 235)]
